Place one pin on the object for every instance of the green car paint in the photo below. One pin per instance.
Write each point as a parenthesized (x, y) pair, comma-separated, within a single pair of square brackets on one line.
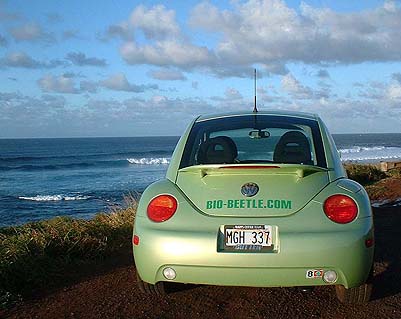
[(305, 243)]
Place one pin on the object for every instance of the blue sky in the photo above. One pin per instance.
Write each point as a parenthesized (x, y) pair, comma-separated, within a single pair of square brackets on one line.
[(130, 68)]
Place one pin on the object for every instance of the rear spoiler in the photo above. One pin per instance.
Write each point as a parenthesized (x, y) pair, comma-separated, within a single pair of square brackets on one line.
[(279, 169)]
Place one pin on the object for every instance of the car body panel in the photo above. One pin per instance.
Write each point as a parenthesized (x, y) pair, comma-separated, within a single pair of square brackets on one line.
[(216, 190), (304, 238)]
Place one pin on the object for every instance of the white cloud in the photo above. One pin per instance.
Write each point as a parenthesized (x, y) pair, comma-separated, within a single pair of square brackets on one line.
[(119, 82), (31, 32), (23, 60), (394, 92), (210, 18), (298, 91), (65, 83), (167, 75), (57, 84), (156, 22), (167, 53), (265, 32), (80, 59), (159, 99), (233, 94)]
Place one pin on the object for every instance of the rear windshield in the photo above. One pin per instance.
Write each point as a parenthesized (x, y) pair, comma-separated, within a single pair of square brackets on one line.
[(254, 139)]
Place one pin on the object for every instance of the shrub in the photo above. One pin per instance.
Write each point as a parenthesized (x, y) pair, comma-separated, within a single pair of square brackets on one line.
[(33, 255), (364, 174)]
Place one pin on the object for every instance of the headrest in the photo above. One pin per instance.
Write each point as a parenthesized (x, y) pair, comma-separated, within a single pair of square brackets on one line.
[(293, 148), (217, 150)]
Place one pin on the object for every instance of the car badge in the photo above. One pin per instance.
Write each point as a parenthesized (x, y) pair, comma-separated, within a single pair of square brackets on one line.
[(249, 189)]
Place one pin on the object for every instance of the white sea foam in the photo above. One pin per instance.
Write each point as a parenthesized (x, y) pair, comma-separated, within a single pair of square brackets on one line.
[(149, 161), (373, 154), (53, 198), (359, 149), (386, 202), (379, 203)]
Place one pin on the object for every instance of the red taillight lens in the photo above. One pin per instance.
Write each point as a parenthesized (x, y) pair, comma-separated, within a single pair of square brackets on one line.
[(162, 208), (340, 209)]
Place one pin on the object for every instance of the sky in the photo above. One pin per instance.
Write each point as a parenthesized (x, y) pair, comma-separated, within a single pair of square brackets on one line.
[(147, 68)]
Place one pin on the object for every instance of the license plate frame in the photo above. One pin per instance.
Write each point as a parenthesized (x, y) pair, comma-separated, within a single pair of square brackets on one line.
[(241, 238)]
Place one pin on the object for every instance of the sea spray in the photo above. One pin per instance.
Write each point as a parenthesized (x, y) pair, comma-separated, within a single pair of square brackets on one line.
[(50, 198), (149, 161)]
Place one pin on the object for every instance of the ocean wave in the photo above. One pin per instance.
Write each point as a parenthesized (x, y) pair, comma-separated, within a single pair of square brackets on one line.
[(13, 159), (149, 161), (359, 149), (386, 203), (53, 198), (374, 153), (45, 167), (80, 165)]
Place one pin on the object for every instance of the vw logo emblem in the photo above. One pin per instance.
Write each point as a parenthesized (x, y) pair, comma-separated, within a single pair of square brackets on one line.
[(249, 189)]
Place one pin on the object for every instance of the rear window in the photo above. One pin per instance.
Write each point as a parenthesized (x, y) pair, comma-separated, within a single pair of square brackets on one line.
[(254, 139)]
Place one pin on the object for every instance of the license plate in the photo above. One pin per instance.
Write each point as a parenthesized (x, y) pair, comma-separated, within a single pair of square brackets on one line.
[(247, 237)]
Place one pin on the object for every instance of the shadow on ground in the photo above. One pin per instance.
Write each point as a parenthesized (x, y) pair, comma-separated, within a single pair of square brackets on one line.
[(387, 279)]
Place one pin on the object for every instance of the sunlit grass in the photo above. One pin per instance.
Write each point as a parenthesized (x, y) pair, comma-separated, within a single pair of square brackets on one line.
[(34, 254)]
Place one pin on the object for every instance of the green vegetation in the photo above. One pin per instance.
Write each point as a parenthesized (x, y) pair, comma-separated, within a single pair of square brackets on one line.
[(37, 254), (395, 172), (364, 174)]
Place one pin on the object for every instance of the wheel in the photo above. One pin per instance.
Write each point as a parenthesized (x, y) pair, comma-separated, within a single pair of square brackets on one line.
[(360, 294), (149, 289)]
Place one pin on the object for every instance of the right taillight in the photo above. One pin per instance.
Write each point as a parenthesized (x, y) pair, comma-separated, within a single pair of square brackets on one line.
[(340, 209), (162, 208)]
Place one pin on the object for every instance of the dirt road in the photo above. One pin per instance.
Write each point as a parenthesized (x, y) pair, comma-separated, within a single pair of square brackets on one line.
[(114, 294)]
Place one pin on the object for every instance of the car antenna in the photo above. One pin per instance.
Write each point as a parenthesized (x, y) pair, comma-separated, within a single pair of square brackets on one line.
[(255, 109)]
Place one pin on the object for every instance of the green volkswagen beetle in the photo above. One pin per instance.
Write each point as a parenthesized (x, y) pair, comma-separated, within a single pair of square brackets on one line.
[(256, 199)]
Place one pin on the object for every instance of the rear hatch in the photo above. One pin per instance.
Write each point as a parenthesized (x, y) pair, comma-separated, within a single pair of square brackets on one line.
[(228, 190)]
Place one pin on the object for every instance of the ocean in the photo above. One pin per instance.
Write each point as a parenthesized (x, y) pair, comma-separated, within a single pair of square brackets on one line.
[(78, 177)]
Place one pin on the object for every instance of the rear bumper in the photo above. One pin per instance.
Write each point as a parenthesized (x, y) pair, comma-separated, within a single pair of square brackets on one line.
[(251, 277), (197, 258)]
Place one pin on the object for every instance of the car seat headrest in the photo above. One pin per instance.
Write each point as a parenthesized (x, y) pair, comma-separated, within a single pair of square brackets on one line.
[(293, 148), (217, 150)]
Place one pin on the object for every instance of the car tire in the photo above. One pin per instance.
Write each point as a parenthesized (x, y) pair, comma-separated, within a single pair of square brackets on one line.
[(356, 295), (150, 289)]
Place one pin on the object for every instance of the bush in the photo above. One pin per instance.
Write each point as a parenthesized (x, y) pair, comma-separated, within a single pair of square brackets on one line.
[(364, 174), (395, 172), (33, 255)]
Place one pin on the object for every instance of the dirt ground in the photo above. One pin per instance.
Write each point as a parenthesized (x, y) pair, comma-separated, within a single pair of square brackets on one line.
[(113, 293)]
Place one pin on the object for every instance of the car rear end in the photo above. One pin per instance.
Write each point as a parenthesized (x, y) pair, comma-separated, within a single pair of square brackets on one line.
[(255, 200)]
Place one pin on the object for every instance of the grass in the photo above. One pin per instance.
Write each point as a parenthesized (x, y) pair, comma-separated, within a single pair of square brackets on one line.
[(36, 254)]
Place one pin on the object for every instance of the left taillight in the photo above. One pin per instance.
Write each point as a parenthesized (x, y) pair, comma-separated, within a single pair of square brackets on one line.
[(162, 208)]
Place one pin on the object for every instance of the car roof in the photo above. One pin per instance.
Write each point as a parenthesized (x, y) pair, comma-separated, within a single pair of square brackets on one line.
[(207, 117)]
